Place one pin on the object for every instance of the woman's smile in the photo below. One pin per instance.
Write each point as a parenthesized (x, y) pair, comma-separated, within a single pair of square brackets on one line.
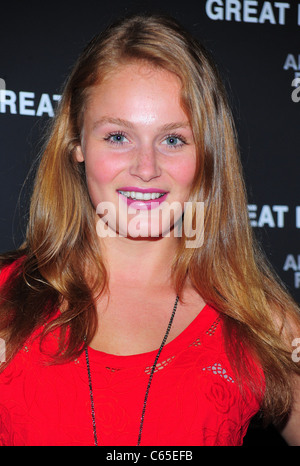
[(143, 198)]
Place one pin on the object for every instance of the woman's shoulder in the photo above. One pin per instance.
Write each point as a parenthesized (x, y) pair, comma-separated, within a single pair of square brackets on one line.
[(10, 263), (11, 266), (34, 352)]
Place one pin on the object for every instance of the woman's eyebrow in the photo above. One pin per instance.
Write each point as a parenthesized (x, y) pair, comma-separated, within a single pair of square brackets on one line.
[(115, 121), (175, 125), (130, 125)]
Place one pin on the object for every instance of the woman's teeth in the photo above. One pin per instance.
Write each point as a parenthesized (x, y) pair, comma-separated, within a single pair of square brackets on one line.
[(141, 196)]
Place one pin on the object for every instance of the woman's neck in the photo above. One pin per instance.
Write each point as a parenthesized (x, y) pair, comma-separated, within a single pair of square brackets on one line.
[(139, 262)]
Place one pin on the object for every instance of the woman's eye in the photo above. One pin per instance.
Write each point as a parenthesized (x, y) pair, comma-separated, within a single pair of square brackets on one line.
[(174, 141), (116, 138)]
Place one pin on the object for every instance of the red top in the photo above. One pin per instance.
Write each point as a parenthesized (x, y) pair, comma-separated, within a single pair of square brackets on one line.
[(193, 399)]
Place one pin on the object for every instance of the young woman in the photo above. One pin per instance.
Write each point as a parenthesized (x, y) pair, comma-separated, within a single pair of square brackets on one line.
[(118, 329)]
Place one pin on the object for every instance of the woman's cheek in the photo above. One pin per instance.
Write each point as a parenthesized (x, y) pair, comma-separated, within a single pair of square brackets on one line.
[(100, 169), (184, 174)]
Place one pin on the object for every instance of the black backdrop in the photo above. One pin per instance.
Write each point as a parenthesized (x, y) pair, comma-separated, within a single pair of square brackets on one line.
[(256, 45)]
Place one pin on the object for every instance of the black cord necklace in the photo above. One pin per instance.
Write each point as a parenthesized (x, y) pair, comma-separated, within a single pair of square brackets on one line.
[(148, 386)]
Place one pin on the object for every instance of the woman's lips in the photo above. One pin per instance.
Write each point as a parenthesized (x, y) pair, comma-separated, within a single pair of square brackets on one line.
[(141, 198)]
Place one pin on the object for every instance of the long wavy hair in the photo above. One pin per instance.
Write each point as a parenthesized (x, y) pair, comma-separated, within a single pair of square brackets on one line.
[(60, 259)]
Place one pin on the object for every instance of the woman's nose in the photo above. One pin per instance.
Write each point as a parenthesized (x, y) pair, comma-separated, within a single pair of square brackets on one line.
[(145, 164)]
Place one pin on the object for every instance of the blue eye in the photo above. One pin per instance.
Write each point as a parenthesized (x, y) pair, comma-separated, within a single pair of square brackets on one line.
[(116, 138), (174, 141)]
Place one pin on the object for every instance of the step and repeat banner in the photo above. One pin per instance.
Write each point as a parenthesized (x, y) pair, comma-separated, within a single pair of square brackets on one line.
[(257, 47)]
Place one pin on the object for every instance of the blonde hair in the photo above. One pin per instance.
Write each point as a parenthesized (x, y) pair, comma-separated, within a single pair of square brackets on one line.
[(229, 271)]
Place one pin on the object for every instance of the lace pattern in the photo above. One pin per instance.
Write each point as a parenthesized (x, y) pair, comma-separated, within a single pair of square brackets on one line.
[(217, 369)]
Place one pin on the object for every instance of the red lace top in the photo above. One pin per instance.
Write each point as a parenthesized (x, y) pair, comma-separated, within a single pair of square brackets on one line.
[(193, 399)]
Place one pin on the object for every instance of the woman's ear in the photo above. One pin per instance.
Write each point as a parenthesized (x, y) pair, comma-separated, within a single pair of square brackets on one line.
[(79, 154)]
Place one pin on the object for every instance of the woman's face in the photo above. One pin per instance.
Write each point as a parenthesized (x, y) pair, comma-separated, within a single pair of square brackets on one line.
[(139, 151)]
